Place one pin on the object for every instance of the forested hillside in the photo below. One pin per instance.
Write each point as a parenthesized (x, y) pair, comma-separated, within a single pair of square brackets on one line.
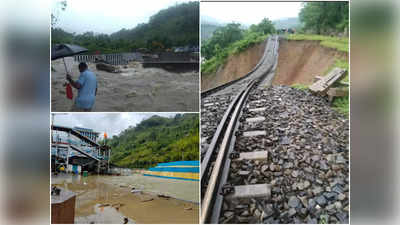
[(175, 26), (157, 139), (232, 39)]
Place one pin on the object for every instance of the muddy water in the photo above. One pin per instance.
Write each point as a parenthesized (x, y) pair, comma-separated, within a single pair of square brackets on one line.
[(108, 199), (135, 89)]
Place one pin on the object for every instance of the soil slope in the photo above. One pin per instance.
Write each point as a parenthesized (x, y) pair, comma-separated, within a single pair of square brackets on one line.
[(236, 67), (300, 61)]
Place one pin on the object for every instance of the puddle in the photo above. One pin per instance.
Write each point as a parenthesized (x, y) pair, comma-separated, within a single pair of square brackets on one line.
[(108, 199)]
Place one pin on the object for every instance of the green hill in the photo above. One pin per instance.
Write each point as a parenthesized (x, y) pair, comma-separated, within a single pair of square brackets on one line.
[(157, 139), (207, 30), (175, 26)]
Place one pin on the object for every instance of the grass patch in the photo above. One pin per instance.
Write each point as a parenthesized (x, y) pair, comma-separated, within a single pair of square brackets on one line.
[(341, 104), (340, 44), (250, 39), (300, 86), (341, 64)]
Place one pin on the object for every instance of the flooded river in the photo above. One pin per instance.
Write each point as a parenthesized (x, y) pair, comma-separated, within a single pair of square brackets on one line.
[(108, 199), (135, 89)]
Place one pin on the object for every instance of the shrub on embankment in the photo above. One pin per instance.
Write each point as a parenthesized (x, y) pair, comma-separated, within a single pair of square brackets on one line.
[(250, 39)]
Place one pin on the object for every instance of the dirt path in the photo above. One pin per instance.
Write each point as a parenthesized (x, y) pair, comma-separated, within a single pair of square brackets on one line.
[(136, 89)]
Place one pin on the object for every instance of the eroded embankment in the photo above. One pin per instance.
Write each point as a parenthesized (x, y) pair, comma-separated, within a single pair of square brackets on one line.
[(300, 61), (236, 67)]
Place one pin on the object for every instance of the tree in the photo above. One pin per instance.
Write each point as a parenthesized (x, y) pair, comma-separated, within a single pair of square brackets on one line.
[(324, 17), (265, 26), (222, 37)]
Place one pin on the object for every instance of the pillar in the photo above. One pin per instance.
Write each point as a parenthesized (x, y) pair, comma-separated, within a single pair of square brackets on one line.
[(68, 149)]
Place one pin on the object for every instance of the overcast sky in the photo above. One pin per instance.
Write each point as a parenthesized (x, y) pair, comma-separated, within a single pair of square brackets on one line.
[(249, 12), (111, 123), (108, 16)]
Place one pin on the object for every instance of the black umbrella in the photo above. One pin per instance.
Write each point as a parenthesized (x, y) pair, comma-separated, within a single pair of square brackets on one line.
[(65, 50)]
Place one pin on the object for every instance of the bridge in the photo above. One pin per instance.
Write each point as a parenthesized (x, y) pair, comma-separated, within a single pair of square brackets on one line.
[(85, 147)]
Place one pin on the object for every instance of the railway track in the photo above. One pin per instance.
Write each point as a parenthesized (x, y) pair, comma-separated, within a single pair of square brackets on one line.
[(261, 151), (215, 160)]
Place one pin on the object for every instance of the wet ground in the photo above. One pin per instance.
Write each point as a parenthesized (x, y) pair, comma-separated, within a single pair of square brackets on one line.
[(135, 89), (108, 199)]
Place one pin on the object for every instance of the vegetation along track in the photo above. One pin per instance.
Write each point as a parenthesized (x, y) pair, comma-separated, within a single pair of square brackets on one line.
[(277, 154)]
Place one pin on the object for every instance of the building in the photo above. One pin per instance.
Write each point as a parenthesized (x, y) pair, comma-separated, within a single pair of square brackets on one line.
[(78, 146)]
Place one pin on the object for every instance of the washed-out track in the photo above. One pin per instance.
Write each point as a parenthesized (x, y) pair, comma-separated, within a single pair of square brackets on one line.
[(272, 154)]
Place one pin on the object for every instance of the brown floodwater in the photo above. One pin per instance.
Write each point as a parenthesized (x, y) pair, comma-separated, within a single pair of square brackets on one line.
[(135, 89), (108, 199)]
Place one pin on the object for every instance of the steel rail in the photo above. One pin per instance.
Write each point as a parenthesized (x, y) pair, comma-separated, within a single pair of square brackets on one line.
[(212, 201), (222, 154)]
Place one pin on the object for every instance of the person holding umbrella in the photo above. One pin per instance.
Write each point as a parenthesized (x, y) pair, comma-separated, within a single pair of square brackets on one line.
[(87, 82), (87, 89)]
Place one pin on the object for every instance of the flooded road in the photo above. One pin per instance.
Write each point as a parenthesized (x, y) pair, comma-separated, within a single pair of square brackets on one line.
[(135, 89), (108, 199)]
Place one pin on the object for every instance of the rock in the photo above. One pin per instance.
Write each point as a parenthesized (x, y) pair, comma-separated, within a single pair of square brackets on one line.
[(321, 200), (288, 165), (324, 219), (228, 214), (315, 158), (323, 166), (295, 173), (308, 170), (340, 160), (342, 217), (311, 220), (330, 207), (306, 184), (337, 188), (341, 197), (292, 212), (294, 202), (330, 196), (317, 190), (107, 67), (338, 205), (272, 167), (304, 201), (245, 213), (264, 168), (268, 211), (257, 213)]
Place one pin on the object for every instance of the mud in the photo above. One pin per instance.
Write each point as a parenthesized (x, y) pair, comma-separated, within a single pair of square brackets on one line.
[(136, 89), (300, 61), (237, 66), (108, 199)]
